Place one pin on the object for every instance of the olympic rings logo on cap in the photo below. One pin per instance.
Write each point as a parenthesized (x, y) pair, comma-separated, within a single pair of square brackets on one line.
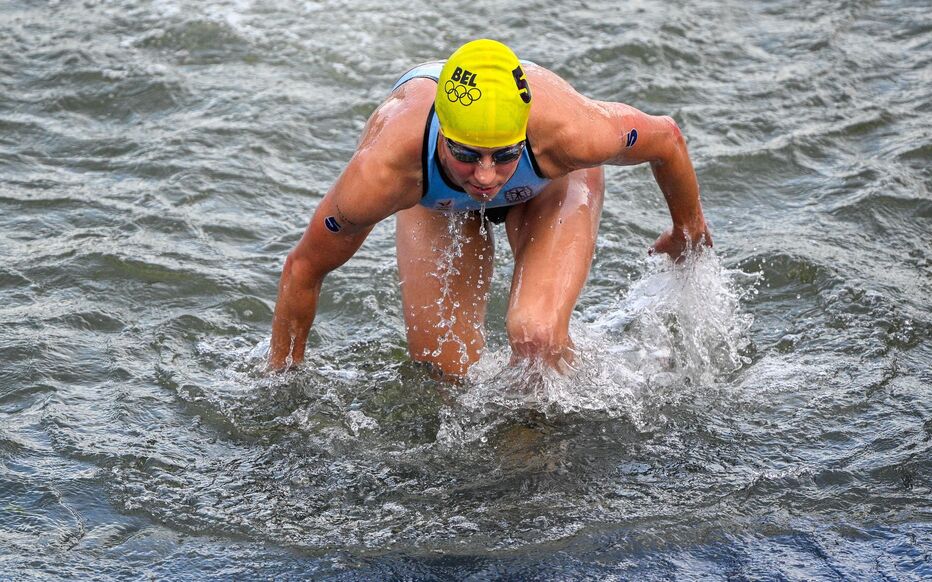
[(460, 93)]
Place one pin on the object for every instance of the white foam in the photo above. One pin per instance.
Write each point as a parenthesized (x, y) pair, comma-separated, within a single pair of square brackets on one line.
[(677, 330), (681, 323)]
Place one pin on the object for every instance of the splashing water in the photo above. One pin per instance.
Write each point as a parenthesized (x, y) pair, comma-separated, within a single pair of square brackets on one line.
[(445, 273), (679, 329), (676, 332), (681, 324)]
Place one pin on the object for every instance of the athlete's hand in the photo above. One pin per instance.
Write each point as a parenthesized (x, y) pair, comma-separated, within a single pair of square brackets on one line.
[(674, 241)]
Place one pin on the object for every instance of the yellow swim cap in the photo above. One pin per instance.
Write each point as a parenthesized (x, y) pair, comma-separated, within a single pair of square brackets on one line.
[(483, 98)]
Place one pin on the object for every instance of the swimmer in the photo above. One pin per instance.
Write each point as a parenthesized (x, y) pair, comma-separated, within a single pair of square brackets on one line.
[(491, 138)]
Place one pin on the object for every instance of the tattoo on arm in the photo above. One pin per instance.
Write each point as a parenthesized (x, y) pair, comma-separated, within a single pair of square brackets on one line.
[(343, 217), (334, 225)]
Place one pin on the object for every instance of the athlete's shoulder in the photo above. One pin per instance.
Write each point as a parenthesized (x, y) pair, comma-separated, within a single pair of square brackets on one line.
[(558, 113), (552, 96), (395, 130), (536, 73)]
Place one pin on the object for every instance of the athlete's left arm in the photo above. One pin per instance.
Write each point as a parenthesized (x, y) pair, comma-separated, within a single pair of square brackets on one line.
[(658, 140), (588, 133)]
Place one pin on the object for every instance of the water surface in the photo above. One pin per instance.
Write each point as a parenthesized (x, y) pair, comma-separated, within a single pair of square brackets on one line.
[(761, 413)]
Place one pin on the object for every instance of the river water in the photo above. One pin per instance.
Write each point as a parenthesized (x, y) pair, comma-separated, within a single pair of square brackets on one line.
[(763, 412)]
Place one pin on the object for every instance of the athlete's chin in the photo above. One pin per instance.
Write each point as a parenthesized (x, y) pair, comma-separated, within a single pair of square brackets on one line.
[(482, 194)]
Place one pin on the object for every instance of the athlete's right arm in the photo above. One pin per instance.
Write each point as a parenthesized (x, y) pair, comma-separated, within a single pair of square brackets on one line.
[(382, 178), (318, 252)]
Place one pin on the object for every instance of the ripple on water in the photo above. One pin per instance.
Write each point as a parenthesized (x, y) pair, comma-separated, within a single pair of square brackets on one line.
[(362, 449), (91, 320), (11, 279), (96, 91), (841, 320), (35, 515), (884, 212), (198, 39), (151, 147), (146, 277), (787, 273), (250, 309)]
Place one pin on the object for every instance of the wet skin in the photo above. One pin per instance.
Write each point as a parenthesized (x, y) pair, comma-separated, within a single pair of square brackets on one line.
[(552, 236), (481, 180)]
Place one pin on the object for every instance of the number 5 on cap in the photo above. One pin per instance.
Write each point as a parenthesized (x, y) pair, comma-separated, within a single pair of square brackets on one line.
[(521, 82)]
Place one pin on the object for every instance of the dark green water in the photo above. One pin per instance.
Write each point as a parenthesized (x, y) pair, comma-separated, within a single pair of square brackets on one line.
[(764, 413)]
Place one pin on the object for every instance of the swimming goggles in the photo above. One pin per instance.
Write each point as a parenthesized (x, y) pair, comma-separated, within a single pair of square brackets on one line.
[(467, 155)]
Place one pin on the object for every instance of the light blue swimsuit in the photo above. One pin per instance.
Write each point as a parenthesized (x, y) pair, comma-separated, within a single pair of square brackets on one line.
[(439, 193)]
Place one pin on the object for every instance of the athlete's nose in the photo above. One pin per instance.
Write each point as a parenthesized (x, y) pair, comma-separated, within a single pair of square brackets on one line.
[(485, 173)]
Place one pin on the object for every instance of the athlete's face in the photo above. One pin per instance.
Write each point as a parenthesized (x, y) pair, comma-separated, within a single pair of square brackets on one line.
[(481, 172)]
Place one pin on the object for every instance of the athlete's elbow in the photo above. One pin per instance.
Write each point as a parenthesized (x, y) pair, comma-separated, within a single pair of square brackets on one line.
[(673, 133), (299, 270), (674, 142)]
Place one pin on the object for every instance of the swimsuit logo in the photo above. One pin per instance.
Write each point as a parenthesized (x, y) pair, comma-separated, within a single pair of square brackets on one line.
[(518, 194), (466, 91), (444, 204), (332, 224)]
